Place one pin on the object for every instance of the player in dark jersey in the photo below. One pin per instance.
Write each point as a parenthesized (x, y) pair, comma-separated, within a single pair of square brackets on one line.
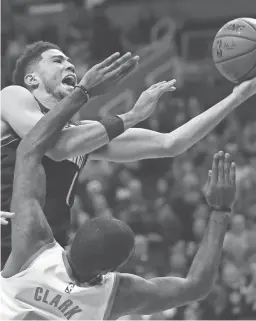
[(61, 169), (39, 274), (43, 77)]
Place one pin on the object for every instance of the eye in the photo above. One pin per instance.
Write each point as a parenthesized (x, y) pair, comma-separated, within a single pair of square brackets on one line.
[(57, 60)]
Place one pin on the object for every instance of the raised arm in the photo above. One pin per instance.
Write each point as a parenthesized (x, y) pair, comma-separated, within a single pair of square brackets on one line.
[(142, 143), (30, 229), (21, 111), (136, 295)]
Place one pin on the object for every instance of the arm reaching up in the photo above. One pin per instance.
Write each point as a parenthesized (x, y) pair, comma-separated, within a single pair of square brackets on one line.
[(142, 143), (136, 295), (30, 229), (21, 112)]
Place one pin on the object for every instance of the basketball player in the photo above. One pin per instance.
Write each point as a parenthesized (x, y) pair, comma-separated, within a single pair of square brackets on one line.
[(43, 77), (50, 76), (42, 281)]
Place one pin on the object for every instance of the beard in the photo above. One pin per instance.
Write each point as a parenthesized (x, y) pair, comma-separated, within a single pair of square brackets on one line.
[(58, 91)]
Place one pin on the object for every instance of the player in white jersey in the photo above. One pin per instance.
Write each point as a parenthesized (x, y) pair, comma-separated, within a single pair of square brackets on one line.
[(43, 281)]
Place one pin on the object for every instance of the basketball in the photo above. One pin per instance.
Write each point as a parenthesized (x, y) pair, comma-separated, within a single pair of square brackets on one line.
[(234, 50)]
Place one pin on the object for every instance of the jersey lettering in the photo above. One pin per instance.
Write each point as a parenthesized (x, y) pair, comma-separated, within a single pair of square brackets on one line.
[(66, 307)]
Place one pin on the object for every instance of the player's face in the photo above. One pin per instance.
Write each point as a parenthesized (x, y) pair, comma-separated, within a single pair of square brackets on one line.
[(57, 74)]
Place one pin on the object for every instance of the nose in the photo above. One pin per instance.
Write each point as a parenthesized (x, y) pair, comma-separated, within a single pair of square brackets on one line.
[(71, 67)]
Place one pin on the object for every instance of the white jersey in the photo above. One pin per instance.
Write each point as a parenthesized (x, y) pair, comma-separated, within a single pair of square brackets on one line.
[(44, 291)]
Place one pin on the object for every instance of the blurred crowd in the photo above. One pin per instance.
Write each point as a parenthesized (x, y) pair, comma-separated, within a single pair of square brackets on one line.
[(162, 200)]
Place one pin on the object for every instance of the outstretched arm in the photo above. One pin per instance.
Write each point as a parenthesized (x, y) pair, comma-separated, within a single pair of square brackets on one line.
[(140, 296), (21, 111), (142, 143), (30, 229)]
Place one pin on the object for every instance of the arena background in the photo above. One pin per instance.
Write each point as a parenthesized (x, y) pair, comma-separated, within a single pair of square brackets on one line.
[(160, 199)]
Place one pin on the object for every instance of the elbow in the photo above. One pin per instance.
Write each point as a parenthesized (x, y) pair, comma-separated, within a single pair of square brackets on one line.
[(171, 146)]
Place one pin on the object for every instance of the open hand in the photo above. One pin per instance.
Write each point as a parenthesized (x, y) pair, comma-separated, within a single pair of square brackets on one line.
[(147, 101), (221, 185), (246, 89), (105, 75), (4, 216)]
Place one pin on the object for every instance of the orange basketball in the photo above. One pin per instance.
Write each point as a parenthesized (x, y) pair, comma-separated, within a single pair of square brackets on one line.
[(234, 50)]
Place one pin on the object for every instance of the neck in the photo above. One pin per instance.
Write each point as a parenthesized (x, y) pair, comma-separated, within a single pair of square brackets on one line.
[(45, 99), (90, 280)]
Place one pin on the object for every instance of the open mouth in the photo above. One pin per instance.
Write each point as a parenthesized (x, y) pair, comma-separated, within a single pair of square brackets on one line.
[(69, 80)]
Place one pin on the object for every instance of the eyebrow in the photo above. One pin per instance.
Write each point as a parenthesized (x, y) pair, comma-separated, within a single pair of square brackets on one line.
[(61, 57)]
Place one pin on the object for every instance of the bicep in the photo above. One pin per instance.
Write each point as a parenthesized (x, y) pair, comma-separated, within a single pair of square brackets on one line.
[(140, 296), (135, 144)]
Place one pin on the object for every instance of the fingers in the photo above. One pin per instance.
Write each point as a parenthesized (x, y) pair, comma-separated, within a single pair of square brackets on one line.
[(209, 178), (124, 68), (169, 86), (223, 171), (163, 87), (157, 84), (118, 62), (3, 221), (232, 174), (109, 60), (227, 164), (163, 84), (214, 174), (221, 168), (6, 214), (126, 72)]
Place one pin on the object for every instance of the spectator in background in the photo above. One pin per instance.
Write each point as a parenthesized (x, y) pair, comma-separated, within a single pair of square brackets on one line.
[(249, 138), (15, 48), (250, 293), (105, 38)]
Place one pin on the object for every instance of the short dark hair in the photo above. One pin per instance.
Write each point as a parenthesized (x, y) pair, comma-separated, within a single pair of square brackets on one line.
[(31, 55), (101, 243)]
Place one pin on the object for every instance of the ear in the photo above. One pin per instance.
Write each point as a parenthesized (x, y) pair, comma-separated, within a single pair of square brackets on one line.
[(31, 80)]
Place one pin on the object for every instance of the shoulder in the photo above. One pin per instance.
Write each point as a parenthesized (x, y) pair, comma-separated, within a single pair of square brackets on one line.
[(16, 90), (15, 97)]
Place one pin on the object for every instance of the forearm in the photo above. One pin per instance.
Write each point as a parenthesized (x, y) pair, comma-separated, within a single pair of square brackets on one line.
[(85, 138), (206, 262), (48, 129), (184, 137)]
